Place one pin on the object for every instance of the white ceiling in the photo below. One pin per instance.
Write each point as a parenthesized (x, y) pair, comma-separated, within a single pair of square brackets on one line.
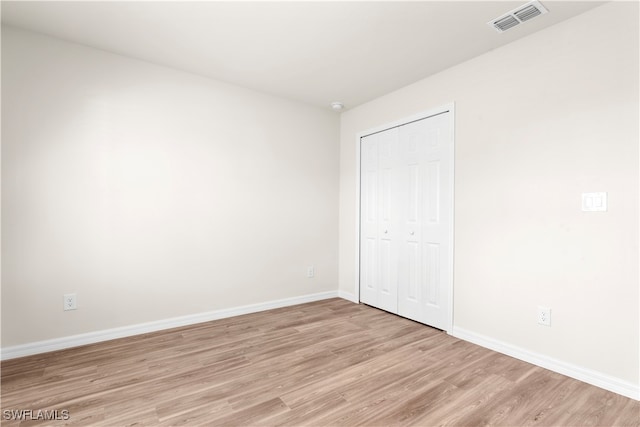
[(314, 52)]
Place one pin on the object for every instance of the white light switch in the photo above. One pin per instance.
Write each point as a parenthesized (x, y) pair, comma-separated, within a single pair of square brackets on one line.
[(594, 202)]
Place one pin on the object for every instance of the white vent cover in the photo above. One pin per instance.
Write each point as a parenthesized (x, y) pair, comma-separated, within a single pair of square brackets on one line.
[(517, 16)]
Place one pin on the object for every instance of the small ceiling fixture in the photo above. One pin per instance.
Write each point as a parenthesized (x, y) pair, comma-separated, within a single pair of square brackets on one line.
[(337, 106), (517, 16)]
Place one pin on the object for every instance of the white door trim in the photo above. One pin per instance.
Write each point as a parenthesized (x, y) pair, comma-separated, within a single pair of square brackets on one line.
[(450, 107)]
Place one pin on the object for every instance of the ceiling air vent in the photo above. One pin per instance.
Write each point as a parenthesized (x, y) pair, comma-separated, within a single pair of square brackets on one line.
[(517, 16)]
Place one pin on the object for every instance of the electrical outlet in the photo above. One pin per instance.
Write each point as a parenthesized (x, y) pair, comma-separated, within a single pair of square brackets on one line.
[(70, 302), (310, 271), (544, 316)]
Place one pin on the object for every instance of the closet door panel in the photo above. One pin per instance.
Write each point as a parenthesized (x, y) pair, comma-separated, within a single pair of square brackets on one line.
[(412, 183), (379, 257), (426, 148), (387, 230), (438, 157), (369, 281)]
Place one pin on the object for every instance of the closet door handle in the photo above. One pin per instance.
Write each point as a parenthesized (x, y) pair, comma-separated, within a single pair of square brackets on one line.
[(412, 233), (386, 231)]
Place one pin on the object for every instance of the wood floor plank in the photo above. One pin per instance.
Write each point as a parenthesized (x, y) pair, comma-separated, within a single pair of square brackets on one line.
[(326, 363)]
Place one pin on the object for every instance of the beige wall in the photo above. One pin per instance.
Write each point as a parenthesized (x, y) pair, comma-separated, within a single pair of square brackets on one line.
[(153, 193), (538, 122)]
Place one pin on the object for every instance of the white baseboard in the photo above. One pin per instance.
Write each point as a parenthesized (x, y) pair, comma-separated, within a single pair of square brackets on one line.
[(589, 376), (143, 328)]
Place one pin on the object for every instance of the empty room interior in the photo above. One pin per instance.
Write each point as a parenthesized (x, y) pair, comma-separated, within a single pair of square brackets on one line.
[(320, 213)]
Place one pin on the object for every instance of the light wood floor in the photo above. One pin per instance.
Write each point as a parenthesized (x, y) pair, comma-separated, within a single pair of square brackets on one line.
[(328, 363)]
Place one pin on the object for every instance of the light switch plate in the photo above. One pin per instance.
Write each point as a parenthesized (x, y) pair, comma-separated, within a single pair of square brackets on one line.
[(594, 202)]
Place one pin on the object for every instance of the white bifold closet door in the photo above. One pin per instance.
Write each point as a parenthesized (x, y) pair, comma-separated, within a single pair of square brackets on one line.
[(406, 220)]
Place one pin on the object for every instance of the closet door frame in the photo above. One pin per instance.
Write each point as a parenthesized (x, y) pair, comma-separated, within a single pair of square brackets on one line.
[(450, 108)]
